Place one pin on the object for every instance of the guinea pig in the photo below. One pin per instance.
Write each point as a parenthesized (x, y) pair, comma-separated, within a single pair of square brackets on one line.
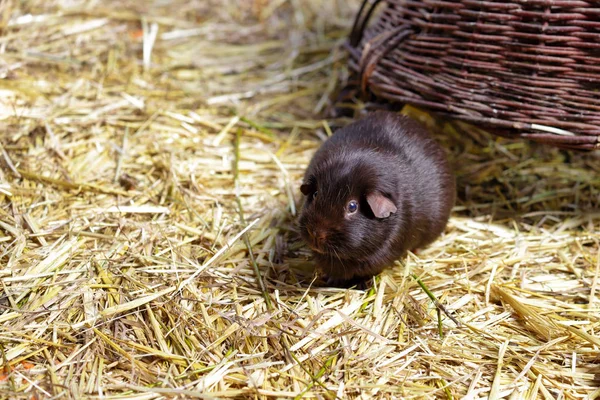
[(374, 190)]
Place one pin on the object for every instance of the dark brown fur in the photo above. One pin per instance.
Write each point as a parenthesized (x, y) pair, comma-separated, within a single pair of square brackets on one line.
[(384, 153)]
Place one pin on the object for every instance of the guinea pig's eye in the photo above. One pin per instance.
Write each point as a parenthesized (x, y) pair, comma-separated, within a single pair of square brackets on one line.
[(352, 207), (314, 195)]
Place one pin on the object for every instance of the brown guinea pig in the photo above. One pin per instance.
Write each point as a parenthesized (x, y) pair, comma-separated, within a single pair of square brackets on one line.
[(375, 189)]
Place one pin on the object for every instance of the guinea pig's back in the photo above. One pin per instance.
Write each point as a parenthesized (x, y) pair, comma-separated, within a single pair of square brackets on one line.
[(432, 179), (422, 162), (429, 177)]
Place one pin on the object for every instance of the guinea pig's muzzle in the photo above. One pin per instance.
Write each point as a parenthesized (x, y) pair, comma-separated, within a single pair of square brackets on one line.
[(317, 239)]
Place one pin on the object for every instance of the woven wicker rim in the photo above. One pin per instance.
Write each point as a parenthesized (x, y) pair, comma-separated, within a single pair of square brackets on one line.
[(527, 69)]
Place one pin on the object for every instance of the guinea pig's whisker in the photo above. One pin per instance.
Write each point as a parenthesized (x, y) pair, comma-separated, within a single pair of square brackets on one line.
[(341, 262)]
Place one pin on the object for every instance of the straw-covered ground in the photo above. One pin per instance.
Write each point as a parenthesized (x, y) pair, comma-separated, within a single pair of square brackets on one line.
[(135, 135)]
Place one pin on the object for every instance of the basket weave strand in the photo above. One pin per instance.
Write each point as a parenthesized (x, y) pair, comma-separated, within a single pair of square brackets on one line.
[(528, 68)]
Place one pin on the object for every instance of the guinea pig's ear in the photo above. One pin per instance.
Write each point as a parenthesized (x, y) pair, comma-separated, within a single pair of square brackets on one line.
[(381, 206), (307, 188)]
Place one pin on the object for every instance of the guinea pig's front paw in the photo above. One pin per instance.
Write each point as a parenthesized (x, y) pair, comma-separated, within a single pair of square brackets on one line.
[(360, 283)]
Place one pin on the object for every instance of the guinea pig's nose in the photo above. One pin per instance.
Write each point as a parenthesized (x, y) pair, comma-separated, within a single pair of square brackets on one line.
[(318, 237), (321, 235)]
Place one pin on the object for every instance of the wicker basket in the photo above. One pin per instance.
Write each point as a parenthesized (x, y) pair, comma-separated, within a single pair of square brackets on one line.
[(528, 68)]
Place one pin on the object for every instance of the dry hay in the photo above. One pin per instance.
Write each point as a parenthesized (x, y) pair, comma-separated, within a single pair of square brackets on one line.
[(125, 263)]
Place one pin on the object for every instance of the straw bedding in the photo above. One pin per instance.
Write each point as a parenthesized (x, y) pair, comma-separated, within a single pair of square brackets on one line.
[(151, 155)]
